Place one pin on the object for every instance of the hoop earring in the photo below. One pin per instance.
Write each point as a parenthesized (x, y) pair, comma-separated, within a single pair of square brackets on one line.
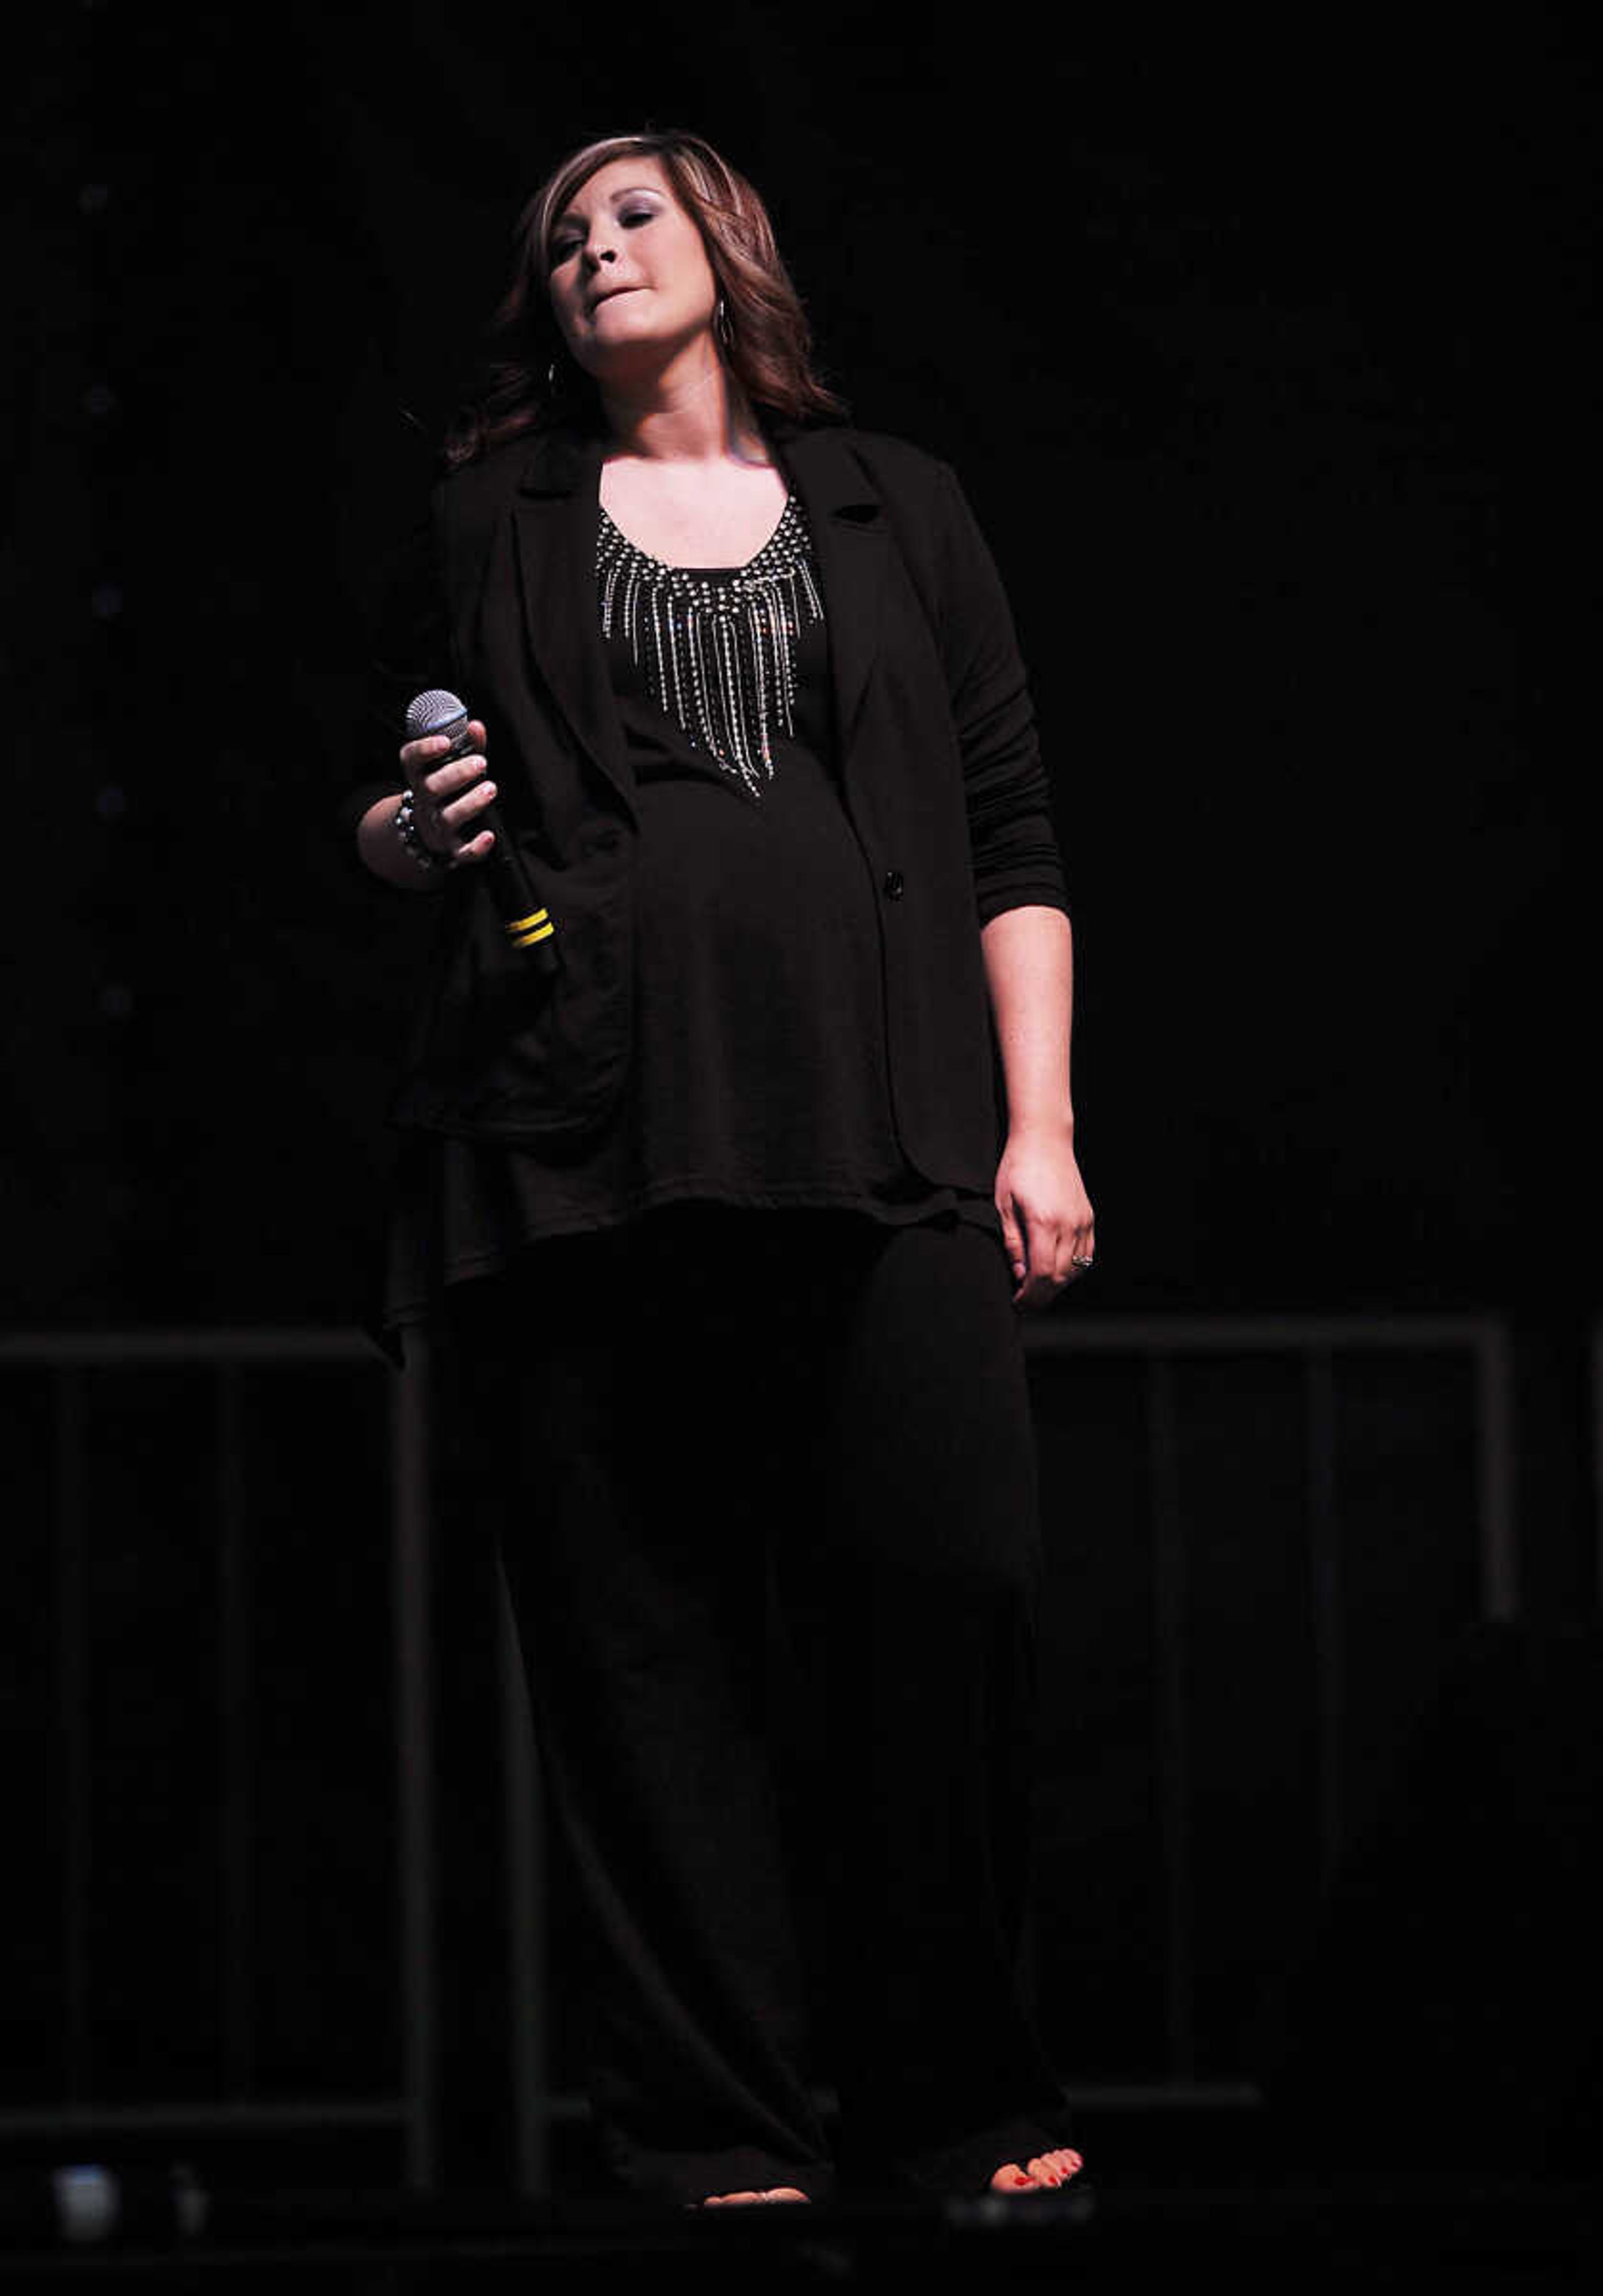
[(722, 327)]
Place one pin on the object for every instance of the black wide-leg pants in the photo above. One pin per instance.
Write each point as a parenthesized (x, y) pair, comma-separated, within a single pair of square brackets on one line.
[(715, 1418)]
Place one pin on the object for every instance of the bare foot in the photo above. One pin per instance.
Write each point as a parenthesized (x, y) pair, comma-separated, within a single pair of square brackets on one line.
[(1045, 2171), (774, 2193)]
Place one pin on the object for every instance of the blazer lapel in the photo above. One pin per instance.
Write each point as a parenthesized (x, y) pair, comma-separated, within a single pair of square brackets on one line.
[(851, 535), (554, 518)]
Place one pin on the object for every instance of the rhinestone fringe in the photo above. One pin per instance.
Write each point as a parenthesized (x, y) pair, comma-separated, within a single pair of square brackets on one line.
[(718, 655)]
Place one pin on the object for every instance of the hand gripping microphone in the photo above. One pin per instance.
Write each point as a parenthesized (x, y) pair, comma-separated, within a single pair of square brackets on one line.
[(526, 924)]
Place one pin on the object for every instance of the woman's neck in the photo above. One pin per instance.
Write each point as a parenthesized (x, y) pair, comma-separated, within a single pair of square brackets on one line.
[(701, 416)]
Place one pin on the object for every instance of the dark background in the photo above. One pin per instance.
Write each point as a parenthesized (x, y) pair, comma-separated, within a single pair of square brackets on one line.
[(1265, 351), (1262, 359), (1265, 354)]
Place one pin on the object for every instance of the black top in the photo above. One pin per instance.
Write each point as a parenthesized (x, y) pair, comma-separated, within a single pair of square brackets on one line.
[(760, 1076)]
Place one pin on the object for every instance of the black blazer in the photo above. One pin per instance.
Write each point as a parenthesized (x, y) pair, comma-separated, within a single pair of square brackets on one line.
[(942, 779)]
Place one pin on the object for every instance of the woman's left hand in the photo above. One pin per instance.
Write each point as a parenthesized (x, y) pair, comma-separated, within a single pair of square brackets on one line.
[(1047, 1222)]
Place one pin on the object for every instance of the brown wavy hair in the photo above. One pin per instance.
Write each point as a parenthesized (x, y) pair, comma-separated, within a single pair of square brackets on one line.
[(533, 379)]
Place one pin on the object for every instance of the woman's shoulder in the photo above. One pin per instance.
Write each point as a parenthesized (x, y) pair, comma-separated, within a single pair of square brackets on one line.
[(543, 454), (913, 481), (886, 449), (492, 467)]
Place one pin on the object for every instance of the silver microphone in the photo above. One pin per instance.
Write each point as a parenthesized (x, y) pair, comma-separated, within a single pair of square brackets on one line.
[(526, 924)]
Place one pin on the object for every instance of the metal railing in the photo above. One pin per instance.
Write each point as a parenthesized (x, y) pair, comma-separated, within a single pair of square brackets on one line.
[(1158, 1344), (68, 1356), (1162, 1343)]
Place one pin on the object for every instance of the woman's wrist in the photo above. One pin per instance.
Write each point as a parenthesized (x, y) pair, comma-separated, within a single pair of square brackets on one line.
[(411, 837), (381, 850), (1056, 1123)]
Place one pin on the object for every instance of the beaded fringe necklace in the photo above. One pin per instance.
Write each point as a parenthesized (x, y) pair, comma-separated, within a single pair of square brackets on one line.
[(718, 655)]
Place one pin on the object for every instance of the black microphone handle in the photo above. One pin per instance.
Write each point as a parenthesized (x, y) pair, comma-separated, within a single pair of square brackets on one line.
[(525, 920)]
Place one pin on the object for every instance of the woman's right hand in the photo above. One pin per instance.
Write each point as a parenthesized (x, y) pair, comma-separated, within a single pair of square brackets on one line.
[(447, 801)]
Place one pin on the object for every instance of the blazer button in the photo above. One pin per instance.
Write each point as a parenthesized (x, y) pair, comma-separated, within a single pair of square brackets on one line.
[(894, 883)]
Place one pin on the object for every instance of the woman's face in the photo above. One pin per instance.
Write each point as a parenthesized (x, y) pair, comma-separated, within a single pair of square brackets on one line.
[(629, 278)]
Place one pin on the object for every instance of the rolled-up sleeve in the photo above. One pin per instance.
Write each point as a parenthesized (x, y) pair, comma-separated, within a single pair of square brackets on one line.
[(1017, 856)]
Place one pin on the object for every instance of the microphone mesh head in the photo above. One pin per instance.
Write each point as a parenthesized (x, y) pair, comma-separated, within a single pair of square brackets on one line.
[(432, 713)]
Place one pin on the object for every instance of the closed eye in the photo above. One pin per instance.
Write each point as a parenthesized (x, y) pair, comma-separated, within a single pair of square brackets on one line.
[(566, 243)]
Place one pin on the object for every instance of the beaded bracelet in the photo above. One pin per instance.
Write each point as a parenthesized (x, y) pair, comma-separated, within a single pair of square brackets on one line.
[(406, 830)]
